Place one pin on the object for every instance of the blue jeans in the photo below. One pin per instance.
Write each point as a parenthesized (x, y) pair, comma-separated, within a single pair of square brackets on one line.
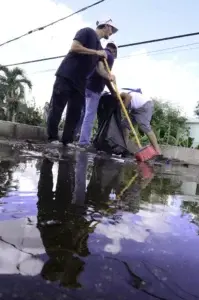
[(92, 102)]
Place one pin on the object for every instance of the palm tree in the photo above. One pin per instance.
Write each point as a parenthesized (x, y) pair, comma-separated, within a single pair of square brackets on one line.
[(12, 89)]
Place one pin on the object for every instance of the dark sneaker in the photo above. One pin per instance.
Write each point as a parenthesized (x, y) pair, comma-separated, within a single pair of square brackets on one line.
[(89, 148)]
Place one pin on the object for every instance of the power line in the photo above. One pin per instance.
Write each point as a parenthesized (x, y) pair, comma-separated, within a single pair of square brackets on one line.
[(155, 52), (62, 56), (174, 37), (50, 24), (35, 61), (163, 50)]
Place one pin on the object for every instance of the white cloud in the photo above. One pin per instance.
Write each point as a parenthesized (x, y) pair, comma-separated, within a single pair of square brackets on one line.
[(18, 17), (153, 220), (131, 229), (166, 78), (27, 242)]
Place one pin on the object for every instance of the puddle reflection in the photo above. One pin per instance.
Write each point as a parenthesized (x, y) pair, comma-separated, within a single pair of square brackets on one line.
[(95, 229)]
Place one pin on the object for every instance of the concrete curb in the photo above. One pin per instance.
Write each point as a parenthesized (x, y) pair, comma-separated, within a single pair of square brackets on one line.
[(18, 131), (188, 155), (189, 173)]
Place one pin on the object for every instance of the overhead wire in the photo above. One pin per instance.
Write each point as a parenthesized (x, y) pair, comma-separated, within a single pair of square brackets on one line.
[(155, 52), (120, 46), (174, 37), (50, 24), (163, 50)]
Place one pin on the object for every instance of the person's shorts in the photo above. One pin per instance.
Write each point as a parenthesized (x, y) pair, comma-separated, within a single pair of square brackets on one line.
[(141, 116)]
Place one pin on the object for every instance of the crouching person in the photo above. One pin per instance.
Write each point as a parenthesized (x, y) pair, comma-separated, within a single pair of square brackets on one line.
[(141, 112)]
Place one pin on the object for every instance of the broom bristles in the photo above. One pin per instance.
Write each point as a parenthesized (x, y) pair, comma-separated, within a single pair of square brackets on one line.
[(146, 153)]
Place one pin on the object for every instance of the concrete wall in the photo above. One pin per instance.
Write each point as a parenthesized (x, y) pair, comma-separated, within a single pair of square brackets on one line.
[(188, 173), (189, 188), (188, 155), (18, 131)]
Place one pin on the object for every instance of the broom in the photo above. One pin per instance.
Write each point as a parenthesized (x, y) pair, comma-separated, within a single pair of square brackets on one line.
[(131, 181), (145, 153)]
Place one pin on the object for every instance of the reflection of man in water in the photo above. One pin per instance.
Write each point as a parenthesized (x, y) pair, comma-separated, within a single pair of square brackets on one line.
[(105, 177), (61, 222), (67, 236), (131, 194), (65, 239)]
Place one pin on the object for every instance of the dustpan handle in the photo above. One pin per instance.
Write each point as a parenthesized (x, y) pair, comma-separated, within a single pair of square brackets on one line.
[(123, 107)]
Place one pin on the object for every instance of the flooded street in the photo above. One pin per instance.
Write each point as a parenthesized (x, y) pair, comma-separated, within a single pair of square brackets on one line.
[(87, 227)]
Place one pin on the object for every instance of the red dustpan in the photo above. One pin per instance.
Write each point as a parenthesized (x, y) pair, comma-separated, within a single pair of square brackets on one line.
[(146, 153)]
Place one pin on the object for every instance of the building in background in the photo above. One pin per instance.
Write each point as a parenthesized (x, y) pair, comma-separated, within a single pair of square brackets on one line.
[(193, 124)]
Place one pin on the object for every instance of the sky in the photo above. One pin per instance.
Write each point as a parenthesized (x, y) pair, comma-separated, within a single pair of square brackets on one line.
[(170, 76)]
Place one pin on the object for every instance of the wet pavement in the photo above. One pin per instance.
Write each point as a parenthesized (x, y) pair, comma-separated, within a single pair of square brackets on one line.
[(87, 227)]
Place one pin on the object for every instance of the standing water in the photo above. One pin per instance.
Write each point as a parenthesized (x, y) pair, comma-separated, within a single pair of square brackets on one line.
[(92, 228)]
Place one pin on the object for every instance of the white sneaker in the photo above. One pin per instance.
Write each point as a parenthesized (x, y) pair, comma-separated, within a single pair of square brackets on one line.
[(56, 143), (71, 145)]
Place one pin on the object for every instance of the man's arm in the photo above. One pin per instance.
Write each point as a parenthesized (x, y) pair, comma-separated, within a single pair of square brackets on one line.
[(126, 98), (101, 70), (110, 87), (153, 139), (110, 61), (79, 48), (80, 40)]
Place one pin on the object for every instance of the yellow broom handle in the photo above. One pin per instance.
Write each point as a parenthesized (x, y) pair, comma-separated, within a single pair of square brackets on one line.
[(123, 107), (127, 186)]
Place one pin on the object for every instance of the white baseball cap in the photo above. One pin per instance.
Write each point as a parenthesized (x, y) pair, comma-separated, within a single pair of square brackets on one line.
[(107, 22)]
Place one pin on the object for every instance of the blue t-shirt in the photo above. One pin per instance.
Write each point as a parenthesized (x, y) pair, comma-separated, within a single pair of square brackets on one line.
[(76, 67), (96, 83)]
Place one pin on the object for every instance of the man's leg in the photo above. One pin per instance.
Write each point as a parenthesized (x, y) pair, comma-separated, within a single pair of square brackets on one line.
[(75, 104), (58, 102), (143, 118), (92, 101), (79, 125)]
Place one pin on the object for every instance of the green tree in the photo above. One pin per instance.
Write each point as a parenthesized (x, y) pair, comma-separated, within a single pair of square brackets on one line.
[(196, 110), (192, 209), (169, 125), (159, 189), (29, 115), (12, 89)]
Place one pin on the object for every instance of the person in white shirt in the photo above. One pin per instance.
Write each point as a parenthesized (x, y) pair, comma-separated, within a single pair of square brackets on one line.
[(140, 112)]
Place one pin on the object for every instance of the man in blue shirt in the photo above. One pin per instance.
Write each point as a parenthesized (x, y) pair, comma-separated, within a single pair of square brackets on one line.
[(95, 86), (71, 78)]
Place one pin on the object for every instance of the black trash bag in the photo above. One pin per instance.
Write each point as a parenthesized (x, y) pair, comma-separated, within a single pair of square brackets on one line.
[(110, 137)]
